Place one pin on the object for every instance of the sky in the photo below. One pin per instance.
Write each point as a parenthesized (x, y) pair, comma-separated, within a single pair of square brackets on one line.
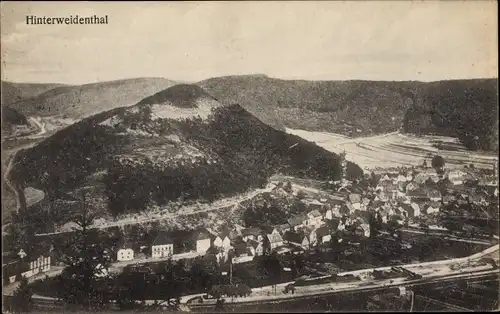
[(192, 41)]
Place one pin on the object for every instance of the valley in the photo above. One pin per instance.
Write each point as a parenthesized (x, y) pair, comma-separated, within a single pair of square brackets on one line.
[(397, 149)]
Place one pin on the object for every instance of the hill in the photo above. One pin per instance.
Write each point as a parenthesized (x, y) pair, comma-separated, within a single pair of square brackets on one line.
[(80, 101), (356, 108), (11, 118), (178, 143), (15, 92)]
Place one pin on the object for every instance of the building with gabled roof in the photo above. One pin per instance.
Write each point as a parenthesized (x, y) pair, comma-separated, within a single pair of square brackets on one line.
[(275, 240), (354, 198), (432, 208), (203, 242), (314, 218), (250, 233), (292, 237), (323, 235)]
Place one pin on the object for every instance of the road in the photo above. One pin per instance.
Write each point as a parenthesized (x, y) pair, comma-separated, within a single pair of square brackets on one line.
[(447, 237), (186, 210), (41, 126), (7, 180), (432, 272)]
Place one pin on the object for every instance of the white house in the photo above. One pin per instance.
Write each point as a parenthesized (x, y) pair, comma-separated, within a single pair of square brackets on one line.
[(202, 243), (366, 229), (36, 265), (314, 218), (401, 178), (305, 242), (416, 210), (163, 246), (259, 250), (125, 255), (431, 209), (222, 241)]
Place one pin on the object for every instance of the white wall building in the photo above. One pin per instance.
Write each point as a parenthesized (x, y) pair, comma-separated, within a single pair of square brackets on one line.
[(125, 255), (163, 246), (202, 243)]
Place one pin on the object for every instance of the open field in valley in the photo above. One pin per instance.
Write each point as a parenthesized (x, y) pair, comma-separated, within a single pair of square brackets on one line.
[(396, 149)]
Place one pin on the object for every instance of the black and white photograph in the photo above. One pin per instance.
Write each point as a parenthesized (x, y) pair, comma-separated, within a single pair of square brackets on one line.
[(249, 156)]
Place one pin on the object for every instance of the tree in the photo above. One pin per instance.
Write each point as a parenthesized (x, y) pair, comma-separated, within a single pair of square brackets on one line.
[(301, 194), (22, 301), (373, 180), (86, 259), (438, 164)]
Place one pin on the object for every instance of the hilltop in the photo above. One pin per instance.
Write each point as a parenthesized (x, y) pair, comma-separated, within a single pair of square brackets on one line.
[(15, 92), (357, 108), (80, 101), (178, 143)]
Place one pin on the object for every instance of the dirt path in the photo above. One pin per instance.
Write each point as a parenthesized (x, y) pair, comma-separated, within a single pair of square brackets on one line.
[(187, 210), (9, 183)]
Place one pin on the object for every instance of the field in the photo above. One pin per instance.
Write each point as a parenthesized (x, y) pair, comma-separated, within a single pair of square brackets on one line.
[(396, 149)]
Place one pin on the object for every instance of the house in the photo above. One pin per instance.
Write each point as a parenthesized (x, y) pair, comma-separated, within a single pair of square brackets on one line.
[(314, 218), (434, 195), (329, 214), (275, 240), (365, 201), (351, 209), (12, 269), (448, 198), (222, 241), (16, 266), (366, 229), (292, 237), (125, 254), (323, 235), (202, 243), (354, 198), (413, 210), (385, 178), (314, 204), (412, 186), (241, 249), (419, 194), (332, 213), (311, 234), (401, 178), (282, 228), (305, 243), (250, 233), (432, 208), (256, 248), (296, 222), (163, 246), (381, 196), (456, 176), (101, 271)]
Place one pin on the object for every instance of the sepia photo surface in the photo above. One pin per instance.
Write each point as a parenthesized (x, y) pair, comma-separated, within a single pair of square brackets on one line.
[(288, 156)]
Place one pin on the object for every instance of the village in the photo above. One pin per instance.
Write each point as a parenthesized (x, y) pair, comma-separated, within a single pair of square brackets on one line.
[(340, 226)]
